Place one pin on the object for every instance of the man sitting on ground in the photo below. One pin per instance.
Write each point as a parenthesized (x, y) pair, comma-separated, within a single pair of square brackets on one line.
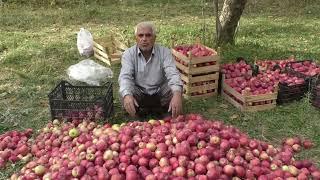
[(149, 78)]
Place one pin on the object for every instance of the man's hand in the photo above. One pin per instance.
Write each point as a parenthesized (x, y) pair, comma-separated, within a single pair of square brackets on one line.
[(129, 103), (176, 104)]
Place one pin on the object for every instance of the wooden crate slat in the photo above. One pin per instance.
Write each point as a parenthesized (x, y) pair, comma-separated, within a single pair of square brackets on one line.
[(101, 47), (184, 78), (180, 56), (116, 55), (201, 87), (248, 108), (259, 107), (120, 45), (261, 97), (205, 59), (208, 77), (102, 59), (101, 53), (204, 69), (98, 46), (232, 101), (115, 60), (235, 93), (182, 68)]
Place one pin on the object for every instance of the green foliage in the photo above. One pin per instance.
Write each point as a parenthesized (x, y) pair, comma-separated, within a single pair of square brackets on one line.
[(38, 44)]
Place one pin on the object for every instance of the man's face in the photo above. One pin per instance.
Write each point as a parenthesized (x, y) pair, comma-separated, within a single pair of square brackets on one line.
[(145, 39)]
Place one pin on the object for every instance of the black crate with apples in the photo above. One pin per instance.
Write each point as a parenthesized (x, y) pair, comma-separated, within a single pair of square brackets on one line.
[(290, 86), (288, 93), (268, 64), (304, 69), (315, 92), (69, 102)]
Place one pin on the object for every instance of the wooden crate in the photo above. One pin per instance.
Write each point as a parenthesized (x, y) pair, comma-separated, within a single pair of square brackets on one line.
[(246, 102), (108, 49), (199, 74), (200, 85)]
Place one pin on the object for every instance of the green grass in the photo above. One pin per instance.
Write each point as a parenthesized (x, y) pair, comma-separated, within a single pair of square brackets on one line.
[(38, 44)]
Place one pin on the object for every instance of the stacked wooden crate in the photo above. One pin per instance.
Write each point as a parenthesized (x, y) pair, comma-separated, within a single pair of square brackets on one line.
[(108, 49), (199, 73)]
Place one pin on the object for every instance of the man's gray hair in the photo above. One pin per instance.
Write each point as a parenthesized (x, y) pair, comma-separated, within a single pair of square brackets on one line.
[(145, 24)]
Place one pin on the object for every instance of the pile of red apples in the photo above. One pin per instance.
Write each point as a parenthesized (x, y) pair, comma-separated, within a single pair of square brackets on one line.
[(14, 146), (234, 70), (186, 147)]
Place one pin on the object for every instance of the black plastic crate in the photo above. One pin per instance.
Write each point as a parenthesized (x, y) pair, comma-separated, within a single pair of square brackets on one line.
[(288, 94), (70, 102), (315, 100), (315, 92)]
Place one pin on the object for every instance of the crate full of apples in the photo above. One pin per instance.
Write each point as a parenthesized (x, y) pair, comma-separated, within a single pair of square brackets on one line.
[(304, 69), (70, 102), (273, 64), (250, 93), (291, 87), (199, 68)]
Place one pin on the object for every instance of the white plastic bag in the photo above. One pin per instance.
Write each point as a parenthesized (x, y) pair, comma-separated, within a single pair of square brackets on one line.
[(85, 42), (89, 72)]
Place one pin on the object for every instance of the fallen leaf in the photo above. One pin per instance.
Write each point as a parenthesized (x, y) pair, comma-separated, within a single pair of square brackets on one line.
[(246, 118), (212, 111), (235, 116), (3, 94), (13, 100), (224, 106)]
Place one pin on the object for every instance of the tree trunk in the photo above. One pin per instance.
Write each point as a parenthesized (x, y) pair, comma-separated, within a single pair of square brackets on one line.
[(218, 25), (228, 20)]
